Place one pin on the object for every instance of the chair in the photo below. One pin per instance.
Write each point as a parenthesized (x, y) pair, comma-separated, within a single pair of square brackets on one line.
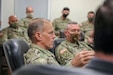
[(82, 36), (62, 35), (56, 43), (14, 50)]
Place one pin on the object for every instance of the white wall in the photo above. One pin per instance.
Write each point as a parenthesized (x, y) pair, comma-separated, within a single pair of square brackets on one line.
[(40, 8), (78, 8), (7, 9), (17, 7)]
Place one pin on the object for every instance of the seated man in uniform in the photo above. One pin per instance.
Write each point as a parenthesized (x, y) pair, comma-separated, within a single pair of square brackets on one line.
[(12, 31), (29, 17), (88, 25), (41, 33), (72, 48), (60, 23), (24, 22)]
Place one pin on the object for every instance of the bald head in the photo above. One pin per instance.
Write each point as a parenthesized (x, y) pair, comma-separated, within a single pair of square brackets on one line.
[(29, 12), (29, 9), (12, 18)]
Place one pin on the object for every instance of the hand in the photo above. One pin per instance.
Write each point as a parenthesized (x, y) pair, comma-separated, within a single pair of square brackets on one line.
[(82, 58)]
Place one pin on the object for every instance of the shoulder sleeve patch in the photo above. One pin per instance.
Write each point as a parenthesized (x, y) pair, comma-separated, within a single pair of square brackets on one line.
[(63, 51)]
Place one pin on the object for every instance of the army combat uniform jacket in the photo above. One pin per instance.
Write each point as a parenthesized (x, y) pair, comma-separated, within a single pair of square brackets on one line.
[(38, 55), (10, 33), (86, 27), (25, 22), (66, 51), (59, 24)]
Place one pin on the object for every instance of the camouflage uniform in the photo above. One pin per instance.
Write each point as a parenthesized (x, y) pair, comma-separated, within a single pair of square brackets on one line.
[(66, 51), (23, 24), (38, 55), (9, 33), (59, 24), (86, 27)]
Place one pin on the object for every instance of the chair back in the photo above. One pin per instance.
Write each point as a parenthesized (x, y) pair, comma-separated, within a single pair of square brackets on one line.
[(14, 50)]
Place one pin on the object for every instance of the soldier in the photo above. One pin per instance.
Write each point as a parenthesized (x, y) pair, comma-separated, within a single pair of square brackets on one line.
[(60, 23), (26, 21), (13, 31), (72, 49), (42, 36), (88, 25)]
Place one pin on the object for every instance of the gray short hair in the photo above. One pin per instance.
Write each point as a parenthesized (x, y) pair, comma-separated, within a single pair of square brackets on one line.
[(36, 25), (70, 23)]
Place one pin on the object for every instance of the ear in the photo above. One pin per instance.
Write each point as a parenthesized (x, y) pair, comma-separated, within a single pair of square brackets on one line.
[(38, 36)]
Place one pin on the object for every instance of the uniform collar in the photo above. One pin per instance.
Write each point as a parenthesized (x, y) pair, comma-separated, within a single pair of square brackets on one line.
[(47, 52), (63, 19), (76, 44)]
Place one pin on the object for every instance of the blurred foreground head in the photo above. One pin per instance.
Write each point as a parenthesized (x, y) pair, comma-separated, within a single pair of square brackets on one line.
[(49, 70), (103, 28)]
